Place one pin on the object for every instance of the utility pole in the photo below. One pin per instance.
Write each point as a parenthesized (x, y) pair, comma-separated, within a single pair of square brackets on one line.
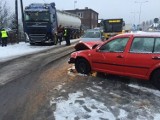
[(16, 20), (23, 17), (140, 9), (75, 4), (134, 17)]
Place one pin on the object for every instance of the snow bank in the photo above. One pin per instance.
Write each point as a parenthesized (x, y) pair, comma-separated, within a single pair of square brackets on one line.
[(16, 50)]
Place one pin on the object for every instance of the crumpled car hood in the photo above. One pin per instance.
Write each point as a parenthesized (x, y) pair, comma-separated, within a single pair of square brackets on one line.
[(86, 45)]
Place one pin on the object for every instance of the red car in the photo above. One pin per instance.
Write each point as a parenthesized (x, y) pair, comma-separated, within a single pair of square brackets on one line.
[(133, 54)]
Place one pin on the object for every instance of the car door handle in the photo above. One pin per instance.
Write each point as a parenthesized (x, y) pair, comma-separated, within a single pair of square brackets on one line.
[(156, 58), (119, 56)]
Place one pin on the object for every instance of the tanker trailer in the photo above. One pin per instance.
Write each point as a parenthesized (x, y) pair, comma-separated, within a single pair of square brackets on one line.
[(42, 21), (68, 20)]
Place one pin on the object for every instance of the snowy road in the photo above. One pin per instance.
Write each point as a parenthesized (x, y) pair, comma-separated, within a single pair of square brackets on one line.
[(21, 49), (107, 98), (53, 92), (19, 82)]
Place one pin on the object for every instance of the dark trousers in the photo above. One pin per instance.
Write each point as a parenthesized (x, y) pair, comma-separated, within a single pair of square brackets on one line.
[(60, 39), (67, 38), (4, 41)]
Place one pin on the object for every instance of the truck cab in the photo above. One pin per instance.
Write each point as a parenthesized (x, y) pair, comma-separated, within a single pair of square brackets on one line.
[(40, 23)]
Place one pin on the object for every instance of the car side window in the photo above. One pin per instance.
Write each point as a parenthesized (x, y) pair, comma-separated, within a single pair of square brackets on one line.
[(157, 46), (116, 45), (142, 45)]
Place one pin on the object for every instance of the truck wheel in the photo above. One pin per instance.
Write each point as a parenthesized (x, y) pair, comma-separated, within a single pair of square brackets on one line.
[(156, 79), (82, 66)]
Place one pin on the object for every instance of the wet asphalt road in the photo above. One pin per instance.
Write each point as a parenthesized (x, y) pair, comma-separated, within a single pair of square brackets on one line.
[(19, 82), (45, 86)]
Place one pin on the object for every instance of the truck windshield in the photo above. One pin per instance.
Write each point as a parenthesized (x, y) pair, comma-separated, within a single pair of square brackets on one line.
[(37, 16)]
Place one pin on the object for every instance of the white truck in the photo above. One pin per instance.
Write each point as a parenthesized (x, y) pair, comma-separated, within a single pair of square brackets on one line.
[(42, 21)]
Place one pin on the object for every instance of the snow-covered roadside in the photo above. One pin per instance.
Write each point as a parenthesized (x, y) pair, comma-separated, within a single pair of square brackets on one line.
[(16, 50), (144, 89), (89, 109), (80, 107)]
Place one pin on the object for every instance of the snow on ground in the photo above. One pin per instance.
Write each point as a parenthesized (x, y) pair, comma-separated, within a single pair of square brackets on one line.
[(79, 107), (76, 106), (15, 50), (82, 108), (144, 89)]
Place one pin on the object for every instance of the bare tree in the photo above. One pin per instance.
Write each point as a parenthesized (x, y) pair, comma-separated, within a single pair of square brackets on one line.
[(4, 14), (12, 21)]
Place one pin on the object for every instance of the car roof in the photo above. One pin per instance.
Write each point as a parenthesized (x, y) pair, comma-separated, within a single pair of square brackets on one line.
[(140, 34)]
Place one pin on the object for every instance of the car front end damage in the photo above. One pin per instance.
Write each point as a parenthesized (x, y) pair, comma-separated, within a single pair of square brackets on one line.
[(72, 58)]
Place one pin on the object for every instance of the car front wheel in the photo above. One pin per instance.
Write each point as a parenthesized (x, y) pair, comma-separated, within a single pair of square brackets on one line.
[(82, 66), (156, 79)]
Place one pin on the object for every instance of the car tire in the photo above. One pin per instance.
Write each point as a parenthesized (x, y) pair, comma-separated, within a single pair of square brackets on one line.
[(156, 79), (82, 66)]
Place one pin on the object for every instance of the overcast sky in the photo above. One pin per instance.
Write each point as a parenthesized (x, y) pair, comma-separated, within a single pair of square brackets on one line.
[(126, 9)]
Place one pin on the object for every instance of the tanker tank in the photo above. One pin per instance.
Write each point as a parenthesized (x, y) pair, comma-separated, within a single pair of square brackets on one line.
[(67, 19)]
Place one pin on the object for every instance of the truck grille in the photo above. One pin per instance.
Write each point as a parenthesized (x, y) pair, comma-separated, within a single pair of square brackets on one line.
[(37, 30), (37, 37)]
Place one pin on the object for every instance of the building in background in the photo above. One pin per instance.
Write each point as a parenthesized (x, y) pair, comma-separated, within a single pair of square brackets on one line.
[(89, 17)]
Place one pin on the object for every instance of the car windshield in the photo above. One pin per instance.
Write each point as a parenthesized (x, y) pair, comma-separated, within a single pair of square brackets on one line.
[(91, 34)]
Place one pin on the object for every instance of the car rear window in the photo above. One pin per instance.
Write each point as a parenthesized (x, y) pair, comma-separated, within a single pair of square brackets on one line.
[(157, 46), (142, 45)]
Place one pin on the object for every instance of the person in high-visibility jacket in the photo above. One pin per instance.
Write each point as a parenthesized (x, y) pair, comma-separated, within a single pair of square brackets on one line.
[(4, 37), (66, 35)]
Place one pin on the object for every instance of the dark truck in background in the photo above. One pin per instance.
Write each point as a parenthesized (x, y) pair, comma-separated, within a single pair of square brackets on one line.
[(42, 20)]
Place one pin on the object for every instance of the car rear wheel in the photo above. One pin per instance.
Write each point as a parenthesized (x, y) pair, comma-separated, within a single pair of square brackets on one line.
[(156, 79), (82, 66)]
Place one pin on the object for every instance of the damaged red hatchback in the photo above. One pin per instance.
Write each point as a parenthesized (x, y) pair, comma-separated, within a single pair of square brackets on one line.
[(133, 54)]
